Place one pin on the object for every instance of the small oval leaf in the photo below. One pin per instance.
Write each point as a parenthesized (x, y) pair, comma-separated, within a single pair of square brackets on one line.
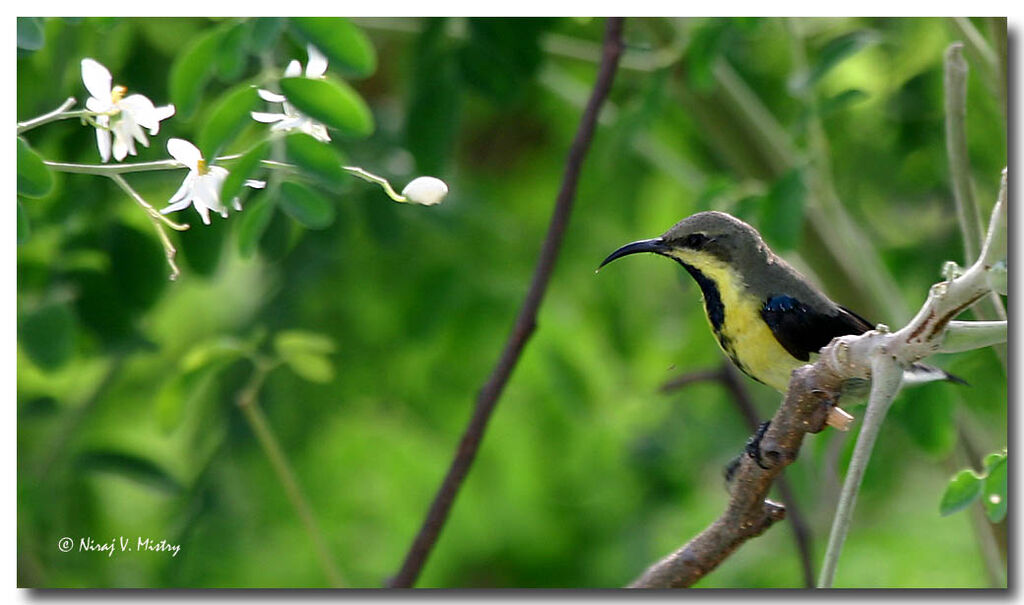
[(963, 489), (226, 120), (306, 206), (335, 104), (316, 159), (345, 45), (995, 491), (243, 169), (34, 178), (254, 222), (192, 69)]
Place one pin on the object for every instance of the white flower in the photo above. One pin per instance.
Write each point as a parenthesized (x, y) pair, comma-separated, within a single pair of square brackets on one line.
[(123, 116), (293, 119), (425, 190), (201, 188)]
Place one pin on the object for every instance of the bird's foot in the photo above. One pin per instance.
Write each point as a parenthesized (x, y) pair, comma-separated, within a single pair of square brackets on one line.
[(753, 448)]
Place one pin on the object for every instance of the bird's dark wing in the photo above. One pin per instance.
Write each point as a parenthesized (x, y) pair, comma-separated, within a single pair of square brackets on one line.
[(802, 330)]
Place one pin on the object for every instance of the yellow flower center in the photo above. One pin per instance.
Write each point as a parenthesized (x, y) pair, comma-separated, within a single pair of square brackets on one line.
[(201, 167), (117, 93)]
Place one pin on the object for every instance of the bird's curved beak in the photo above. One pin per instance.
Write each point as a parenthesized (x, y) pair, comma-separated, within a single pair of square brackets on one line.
[(656, 245)]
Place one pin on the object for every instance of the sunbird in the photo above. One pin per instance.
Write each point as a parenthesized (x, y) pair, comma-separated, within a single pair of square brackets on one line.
[(767, 317)]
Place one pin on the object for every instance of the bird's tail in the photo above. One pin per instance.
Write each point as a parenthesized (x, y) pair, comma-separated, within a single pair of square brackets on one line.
[(920, 372)]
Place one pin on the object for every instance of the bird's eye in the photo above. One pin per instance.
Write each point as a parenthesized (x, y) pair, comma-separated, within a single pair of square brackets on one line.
[(695, 241)]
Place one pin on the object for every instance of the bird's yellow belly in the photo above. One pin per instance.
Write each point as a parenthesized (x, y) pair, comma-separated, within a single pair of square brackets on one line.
[(743, 334)]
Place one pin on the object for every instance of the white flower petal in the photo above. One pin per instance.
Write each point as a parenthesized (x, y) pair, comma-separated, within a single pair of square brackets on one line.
[(98, 106), (185, 152), (180, 205), (267, 118), (425, 190), (236, 204), (120, 145), (207, 192), (183, 192), (293, 70), (316, 66), (271, 97), (255, 183), (96, 79), (103, 143)]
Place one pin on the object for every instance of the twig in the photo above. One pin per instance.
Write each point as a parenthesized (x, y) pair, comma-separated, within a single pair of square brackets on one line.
[(46, 118), (525, 322), (813, 390), (748, 513), (956, 149), (728, 377), (880, 355), (247, 402), (886, 377)]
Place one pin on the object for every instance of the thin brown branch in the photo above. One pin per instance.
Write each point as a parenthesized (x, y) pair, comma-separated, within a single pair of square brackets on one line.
[(525, 322), (731, 380), (749, 513)]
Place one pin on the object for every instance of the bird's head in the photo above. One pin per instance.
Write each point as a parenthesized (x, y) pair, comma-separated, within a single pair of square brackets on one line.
[(703, 239)]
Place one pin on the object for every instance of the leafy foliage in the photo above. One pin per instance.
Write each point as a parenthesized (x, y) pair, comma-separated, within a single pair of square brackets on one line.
[(375, 323)]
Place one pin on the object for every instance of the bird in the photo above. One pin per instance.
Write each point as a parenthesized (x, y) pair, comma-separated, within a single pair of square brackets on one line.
[(767, 317)]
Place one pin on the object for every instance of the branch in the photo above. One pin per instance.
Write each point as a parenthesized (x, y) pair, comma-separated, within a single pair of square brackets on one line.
[(748, 513), (525, 322), (813, 391), (956, 149), (729, 378)]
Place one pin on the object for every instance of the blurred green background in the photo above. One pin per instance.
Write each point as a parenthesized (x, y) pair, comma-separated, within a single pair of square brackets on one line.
[(127, 382)]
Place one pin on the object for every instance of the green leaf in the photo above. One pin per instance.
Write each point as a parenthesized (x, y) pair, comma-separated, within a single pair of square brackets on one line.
[(181, 393), (278, 236), (431, 123), (211, 352), (781, 215), (963, 489), (344, 44), (192, 69), (242, 169), (335, 104), (136, 468), (995, 490), (47, 335), (306, 206), (265, 31), (230, 114), (316, 159), (992, 460), (841, 101), (253, 224), (306, 354), (34, 178), (24, 230), (833, 54), (30, 33), (234, 51)]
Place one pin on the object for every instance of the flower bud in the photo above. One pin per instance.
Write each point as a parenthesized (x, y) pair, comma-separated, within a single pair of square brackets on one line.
[(425, 190)]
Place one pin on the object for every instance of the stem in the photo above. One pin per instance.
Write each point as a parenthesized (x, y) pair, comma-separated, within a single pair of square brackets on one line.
[(158, 221), (525, 322), (373, 178), (956, 148), (969, 335), (886, 376), (980, 50), (57, 114), (247, 402)]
